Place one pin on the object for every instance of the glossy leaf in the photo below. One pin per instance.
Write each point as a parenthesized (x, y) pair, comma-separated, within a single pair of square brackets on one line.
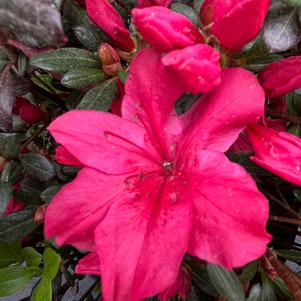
[(10, 253), (32, 257)]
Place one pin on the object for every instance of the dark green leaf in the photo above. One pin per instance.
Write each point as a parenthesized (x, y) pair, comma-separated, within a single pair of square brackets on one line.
[(186, 11), (22, 64), (123, 75), (88, 36), (249, 272), (14, 278), (3, 63), (292, 2), (65, 59), (255, 293), (197, 4), (5, 195), (282, 30), (32, 257), (38, 19), (48, 194), (10, 144), (16, 225), (38, 166), (12, 173), (80, 78), (100, 98), (7, 97), (267, 291), (281, 289), (10, 253), (226, 283), (293, 255)]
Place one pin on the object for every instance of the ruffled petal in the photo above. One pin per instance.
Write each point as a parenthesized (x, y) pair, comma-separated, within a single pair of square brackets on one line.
[(150, 101), (218, 118), (104, 141), (141, 244), (64, 157), (80, 205), (230, 214), (89, 265)]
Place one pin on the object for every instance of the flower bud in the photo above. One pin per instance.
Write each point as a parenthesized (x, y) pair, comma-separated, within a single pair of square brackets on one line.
[(234, 22), (40, 214), (281, 77), (197, 67), (278, 152), (165, 29), (108, 55)]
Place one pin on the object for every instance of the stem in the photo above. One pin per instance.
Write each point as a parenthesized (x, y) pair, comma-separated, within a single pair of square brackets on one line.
[(287, 220)]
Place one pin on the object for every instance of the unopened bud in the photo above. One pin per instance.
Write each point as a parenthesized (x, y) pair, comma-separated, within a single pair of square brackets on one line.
[(40, 214), (2, 163), (108, 55)]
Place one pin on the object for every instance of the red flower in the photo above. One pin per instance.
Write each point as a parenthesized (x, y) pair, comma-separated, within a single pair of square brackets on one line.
[(281, 77), (165, 29), (278, 152), (102, 13), (234, 22), (146, 3), (156, 185), (197, 67), (27, 111)]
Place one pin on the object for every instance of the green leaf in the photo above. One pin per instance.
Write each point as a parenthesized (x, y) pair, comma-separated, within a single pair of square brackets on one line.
[(80, 78), (51, 264), (197, 4), (16, 225), (42, 291), (10, 144), (14, 278), (267, 291), (10, 253), (65, 59), (255, 293), (48, 194), (32, 257), (249, 272), (292, 2), (282, 31), (292, 255), (226, 283), (38, 166), (281, 289), (186, 11), (5, 196), (100, 98)]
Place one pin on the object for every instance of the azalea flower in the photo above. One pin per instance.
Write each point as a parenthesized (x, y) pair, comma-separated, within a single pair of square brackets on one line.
[(156, 185), (197, 67), (278, 152), (281, 77), (146, 3), (165, 29), (234, 22), (103, 14)]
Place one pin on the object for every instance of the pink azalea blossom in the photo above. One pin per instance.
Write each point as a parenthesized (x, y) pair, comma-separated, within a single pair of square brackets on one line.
[(156, 185), (13, 204), (103, 14), (147, 3), (281, 77), (234, 22), (165, 29), (197, 67), (278, 152)]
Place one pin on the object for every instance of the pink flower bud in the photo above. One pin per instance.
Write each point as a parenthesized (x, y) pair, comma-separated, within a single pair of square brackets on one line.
[(234, 22), (278, 152), (40, 214), (165, 29), (281, 77), (197, 67), (103, 14), (27, 111), (108, 55)]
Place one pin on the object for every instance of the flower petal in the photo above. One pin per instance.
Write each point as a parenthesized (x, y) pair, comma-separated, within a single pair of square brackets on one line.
[(104, 141), (230, 214), (141, 243), (64, 157), (108, 19), (89, 265), (149, 101), (217, 119), (80, 205)]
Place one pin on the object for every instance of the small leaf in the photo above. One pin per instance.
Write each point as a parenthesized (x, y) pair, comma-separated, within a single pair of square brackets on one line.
[(38, 166), (37, 19), (10, 253), (226, 283), (255, 293), (281, 289), (5, 196), (267, 291), (80, 78), (292, 255), (13, 279), (100, 98), (65, 59), (88, 37), (16, 225), (292, 2), (186, 11), (7, 98), (10, 144), (282, 31), (32, 257), (51, 264), (48, 194), (42, 291), (249, 272), (12, 173)]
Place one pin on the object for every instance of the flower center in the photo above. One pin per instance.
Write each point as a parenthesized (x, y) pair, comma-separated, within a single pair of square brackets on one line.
[(168, 166)]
